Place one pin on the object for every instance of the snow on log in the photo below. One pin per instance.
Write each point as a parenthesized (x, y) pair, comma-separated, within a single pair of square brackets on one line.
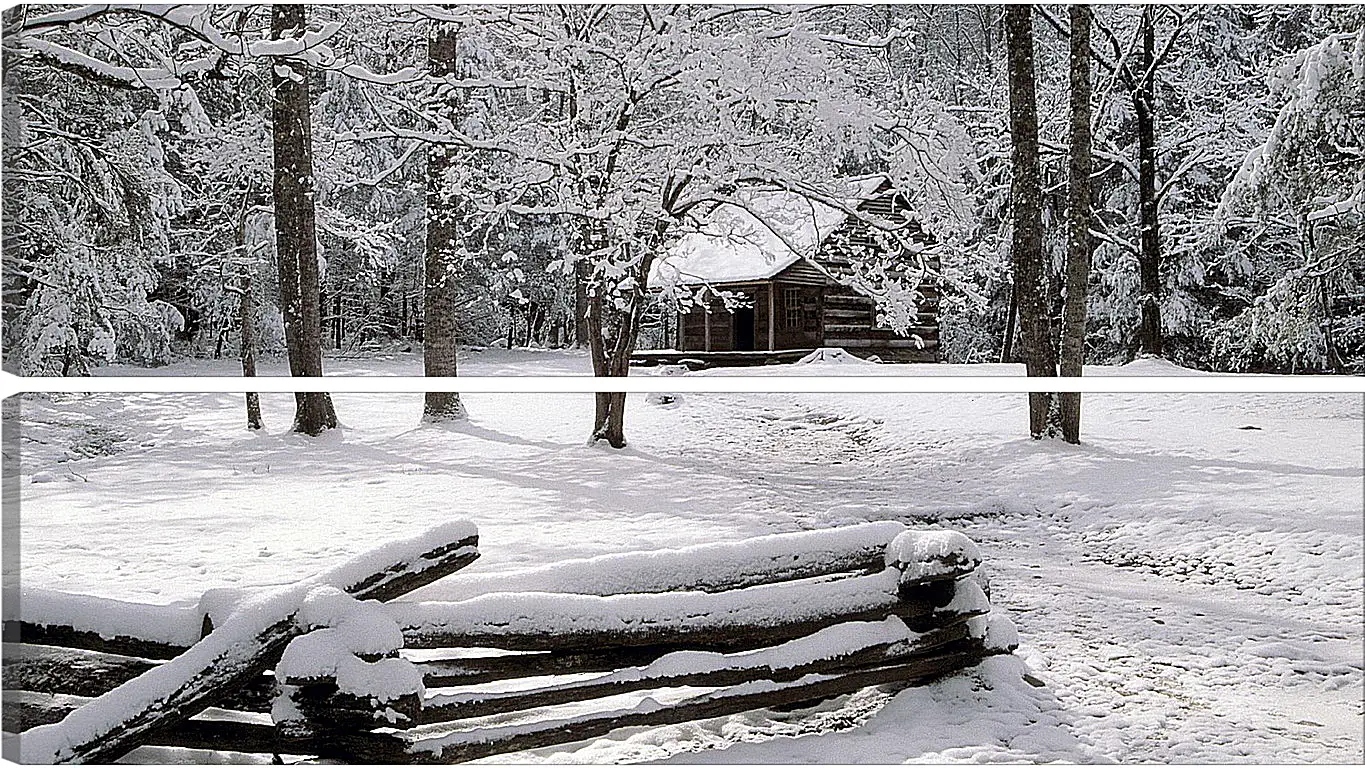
[(841, 646), (483, 742), (240, 649), (924, 556), (534, 621), (752, 617), (352, 652), (999, 634), (701, 568), (50, 617)]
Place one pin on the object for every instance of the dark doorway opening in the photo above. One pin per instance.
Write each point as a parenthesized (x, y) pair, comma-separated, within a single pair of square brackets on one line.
[(744, 329)]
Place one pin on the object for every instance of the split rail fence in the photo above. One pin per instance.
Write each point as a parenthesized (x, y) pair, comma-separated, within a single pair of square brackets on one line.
[(334, 668)]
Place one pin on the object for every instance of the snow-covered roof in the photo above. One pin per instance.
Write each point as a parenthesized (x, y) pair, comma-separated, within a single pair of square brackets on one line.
[(768, 231)]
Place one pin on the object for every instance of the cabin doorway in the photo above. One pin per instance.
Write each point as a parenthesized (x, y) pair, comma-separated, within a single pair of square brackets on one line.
[(744, 329)]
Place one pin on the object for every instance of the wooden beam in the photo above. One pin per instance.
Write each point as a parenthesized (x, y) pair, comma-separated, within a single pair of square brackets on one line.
[(448, 673), (743, 669), (242, 649), (69, 637), (772, 316)]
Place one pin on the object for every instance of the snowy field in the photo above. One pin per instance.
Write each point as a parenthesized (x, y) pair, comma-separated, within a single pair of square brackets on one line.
[(521, 361), (1187, 584)]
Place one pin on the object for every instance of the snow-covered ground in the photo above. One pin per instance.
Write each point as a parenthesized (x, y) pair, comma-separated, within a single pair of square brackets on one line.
[(521, 361), (1187, 583)]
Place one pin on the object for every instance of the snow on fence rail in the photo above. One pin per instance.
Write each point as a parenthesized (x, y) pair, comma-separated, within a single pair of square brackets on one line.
[(767, 622)]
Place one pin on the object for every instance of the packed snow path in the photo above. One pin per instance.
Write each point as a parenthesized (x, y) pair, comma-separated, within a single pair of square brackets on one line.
[(1187, 584)]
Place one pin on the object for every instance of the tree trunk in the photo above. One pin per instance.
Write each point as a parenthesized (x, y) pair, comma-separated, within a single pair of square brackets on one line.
[(246, 313), (612, 340), (580, 305), (1030, 274), (1011, 322), (442, 244), (1149, 239), (1078, 250), (336, 320), (295, 226)]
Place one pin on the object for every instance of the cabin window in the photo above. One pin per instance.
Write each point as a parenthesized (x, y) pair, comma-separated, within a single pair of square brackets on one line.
[(791, 308)]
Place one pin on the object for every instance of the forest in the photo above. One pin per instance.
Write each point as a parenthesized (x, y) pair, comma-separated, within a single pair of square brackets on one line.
[(1099, 183)]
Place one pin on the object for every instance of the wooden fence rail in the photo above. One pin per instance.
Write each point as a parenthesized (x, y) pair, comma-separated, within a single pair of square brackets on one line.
[(769, 622)]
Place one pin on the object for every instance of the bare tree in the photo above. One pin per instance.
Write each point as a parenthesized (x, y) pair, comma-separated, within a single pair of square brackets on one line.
[(443, 226), (1079, 245), (1026, 249), (295, 225)]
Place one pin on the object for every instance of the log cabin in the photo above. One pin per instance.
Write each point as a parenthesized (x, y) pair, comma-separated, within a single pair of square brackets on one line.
[(780, 260)]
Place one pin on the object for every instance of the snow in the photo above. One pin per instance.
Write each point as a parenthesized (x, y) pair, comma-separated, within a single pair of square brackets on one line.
[(539, 613), (496, 361), (930, 555), (759, 236), (1184, 589), (344, 630), (968, 598), (833, 355), (704, 567), (366, 630), (176, 623), (1000, 634)]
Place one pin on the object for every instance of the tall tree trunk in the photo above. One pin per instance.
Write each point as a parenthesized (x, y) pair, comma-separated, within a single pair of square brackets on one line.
[(246, 313), (582, 273), (1078, 250), (1149, 235), (612, 339), (1030, 273), (442, 245), (295, 225)]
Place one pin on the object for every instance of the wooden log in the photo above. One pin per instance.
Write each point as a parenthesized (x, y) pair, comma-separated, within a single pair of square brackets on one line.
[(50, 617), (49, 669), (717, 567), (238, 651), (69, 637), (23, 711), (323, 705), (748, 618), (756, 616), (484, 742), (734, 671), (446, 673)]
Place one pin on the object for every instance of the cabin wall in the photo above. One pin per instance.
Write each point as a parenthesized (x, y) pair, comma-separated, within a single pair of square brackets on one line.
[(850, 318), (721, 324), (799, 313)]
